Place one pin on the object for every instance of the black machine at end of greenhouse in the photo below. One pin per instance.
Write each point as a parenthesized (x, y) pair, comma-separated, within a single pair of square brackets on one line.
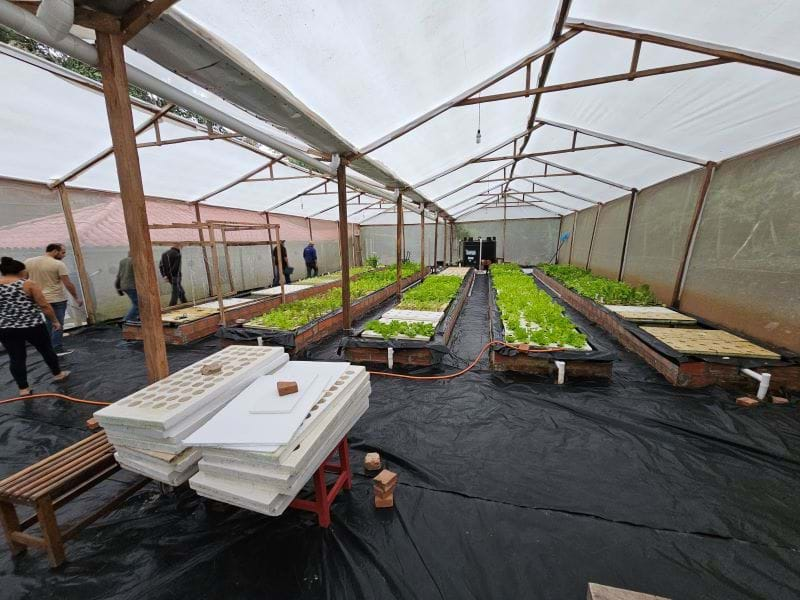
[(478, 250)]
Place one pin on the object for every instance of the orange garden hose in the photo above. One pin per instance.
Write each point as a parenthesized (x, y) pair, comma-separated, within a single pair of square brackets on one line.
[(467, 368), (53, 395)]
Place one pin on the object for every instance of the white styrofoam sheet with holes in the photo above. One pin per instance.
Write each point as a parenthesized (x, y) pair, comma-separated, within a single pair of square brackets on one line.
[(289, 288), (170, 478), (266, 502), (303, 461), (425, 316), (175, 399), (179, 464), (226, 302), (235, 425), (331, 399)]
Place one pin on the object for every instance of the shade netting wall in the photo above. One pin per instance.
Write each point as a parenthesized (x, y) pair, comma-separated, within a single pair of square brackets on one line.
[(381, 241), (527, 241), (744, 271), (609, 237), (582, 236), (567, 226), (32, 217)]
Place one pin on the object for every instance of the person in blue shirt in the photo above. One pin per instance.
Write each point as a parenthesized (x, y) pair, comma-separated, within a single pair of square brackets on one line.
[(310, 256)]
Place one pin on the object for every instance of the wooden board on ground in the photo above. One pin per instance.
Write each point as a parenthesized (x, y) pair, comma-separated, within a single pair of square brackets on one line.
[(709, 342), (651, 314), (187, 315)]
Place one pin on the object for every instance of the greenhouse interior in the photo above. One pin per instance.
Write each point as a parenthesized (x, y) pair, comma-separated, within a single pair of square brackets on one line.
[(400, 300)]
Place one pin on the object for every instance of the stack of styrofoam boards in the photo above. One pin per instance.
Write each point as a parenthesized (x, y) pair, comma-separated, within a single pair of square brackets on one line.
[(148, 427), (226, 302), (276, 291), (267, 482)]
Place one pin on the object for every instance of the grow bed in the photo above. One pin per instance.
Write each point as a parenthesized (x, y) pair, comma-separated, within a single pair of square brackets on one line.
[(681, 370), (537, 331), (295, 326), (190, 323), (368, 345)]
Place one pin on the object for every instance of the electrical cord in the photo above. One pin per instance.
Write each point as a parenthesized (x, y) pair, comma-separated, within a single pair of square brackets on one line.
[(464, 370), (53, 395)]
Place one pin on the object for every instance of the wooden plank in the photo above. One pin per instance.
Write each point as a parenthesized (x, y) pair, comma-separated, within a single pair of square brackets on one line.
[(341, 180), (115, 89), (228, 264), (422, 242), (200, 232), (50, 532), (141, 15), (215, 271), (75, 241), (709, 342)]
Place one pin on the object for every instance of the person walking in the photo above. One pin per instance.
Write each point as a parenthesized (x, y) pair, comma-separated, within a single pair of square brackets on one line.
[(50, 273), (22, 303), (287, 270), (170, 267), (310, 256), (126, 286)]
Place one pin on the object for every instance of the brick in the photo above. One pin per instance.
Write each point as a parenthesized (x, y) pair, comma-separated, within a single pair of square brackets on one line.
[(746, 401), (779, 400), (372, 461), (606, 592), (385, 479), (383, 493), (287, 387), (92, 424), (211, 369), (384, 502)]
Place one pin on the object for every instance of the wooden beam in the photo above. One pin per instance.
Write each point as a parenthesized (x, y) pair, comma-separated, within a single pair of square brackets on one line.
[(422, 119), (279, 255), (548, 163), (192, 138), (398, 242), (435, 239), (629, 76), (626, 142), (228, 264), (341, 182), (140, 15), (680, 279), (637, 49), (239, 179), (96, 20), (626, 237), (75, 242), (217, 278), (153, 120), (547, 152), (594, 230), (199, 220), (747, 57), (422, 242), (310, 231), (120, 118)]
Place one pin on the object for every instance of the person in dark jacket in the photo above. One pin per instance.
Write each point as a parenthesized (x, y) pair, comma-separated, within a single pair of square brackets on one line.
[(287, 270), (310, 256), (126, 285), (170, 267)]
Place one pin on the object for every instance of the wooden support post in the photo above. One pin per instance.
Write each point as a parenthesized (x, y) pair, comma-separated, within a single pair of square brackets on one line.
[(399, 241), (680, 279), (624, 255), (445, 257), (435, 239), (572, 236), (591, 240), (120, 119), (310, 232), (228, 264), (217, 279), (505, 208), (341, 180), (558, 239), (83, 275), (279, 256), (198, 219), (422, 242)]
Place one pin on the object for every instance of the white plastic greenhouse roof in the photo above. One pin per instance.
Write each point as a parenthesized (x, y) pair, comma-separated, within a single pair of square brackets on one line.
[(380, 84)]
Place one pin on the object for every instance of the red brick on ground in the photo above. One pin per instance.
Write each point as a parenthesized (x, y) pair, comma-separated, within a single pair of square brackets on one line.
[(385, 479), (747, 402), (779, 400), (372, 461)]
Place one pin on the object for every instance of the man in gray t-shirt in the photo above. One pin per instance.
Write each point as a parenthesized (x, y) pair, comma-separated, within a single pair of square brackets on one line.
[(126, 285)]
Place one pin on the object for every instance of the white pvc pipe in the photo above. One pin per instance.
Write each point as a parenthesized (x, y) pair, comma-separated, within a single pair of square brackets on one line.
[(763, 380), (562, 369), (27, 24), (390, 357)]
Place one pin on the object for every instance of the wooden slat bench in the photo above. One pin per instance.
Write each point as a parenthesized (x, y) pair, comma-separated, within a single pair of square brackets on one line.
[(50, 484)]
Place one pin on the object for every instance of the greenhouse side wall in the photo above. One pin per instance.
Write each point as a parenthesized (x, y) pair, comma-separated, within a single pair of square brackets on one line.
[(744, 272), (567, 225), (583, 236), (609, 237), (381, 241), (528, 241)]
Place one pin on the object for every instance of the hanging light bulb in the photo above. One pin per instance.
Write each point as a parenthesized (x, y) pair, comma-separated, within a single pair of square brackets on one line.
[(478, 135)]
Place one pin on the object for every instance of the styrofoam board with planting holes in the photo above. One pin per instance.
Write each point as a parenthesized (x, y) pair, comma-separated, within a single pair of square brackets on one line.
[(170, 478), (276, 291), (234, 425), (179, 464), (303, 461), (281, 462), (356, 379), (226, 302), (424, 316), (241, 495), (167, 403)]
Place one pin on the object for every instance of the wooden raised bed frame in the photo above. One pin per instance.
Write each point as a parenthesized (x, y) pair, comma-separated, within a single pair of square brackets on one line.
[(692, 373)]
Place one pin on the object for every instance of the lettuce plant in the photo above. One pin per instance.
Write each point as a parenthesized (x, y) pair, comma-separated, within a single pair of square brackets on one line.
[(434, 293), (600, 289), (393, 329)]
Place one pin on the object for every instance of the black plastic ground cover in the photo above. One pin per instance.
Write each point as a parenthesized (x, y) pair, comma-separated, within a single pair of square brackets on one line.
[(602, 350), (508, 488), (787, 356), (436, 345)]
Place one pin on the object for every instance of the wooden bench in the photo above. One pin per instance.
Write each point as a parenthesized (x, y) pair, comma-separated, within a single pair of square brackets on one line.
[(50, 484)]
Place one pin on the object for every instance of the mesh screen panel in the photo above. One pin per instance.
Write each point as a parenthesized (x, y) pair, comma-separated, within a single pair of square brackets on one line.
[(609, 237), (583, 236), (567, 225)]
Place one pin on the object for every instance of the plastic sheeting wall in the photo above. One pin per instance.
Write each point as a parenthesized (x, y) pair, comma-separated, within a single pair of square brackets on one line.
[(659, 230), (528, 241), (744, 272), (582, 236), (609, 237), (381, 240), (567, 225)]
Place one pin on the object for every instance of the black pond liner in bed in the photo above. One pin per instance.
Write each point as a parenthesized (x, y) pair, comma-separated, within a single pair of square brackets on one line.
[(436, 345), (508, 488)]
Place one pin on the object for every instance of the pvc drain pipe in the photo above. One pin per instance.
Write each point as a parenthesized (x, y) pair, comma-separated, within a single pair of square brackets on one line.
[(390, 357), (562, 369), (763, 382)]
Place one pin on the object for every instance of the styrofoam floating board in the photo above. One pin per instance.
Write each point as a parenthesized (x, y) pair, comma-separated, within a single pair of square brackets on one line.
[(650, 314), (276, 291), (226, 302), (235, 425), (180, 464), (171, 478), (374, 334), (266, 502), (425, 316), (171, 400)]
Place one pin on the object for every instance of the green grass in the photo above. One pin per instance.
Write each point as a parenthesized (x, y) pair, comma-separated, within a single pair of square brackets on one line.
[(600, 289), (529, 315)]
